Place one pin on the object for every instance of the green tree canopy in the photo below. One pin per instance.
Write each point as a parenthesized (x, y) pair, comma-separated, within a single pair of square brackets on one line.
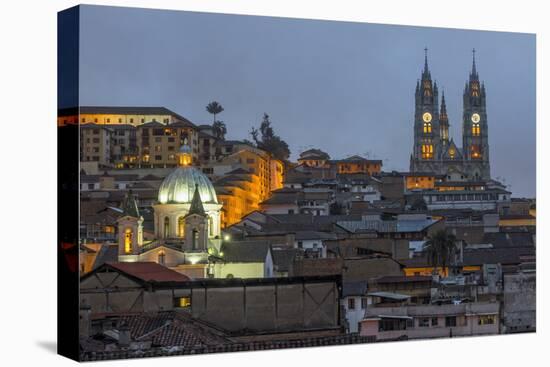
[(266, 139), (214, 108)]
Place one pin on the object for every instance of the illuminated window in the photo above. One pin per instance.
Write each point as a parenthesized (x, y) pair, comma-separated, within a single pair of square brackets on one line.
[(486, 320), (475, 130), (182, 302), (475, 89), (195, 239), (452, 153), (145, 158), (475, 152), (427, 128), (181, 227), (166, 227), (427, 151), (128, 240)]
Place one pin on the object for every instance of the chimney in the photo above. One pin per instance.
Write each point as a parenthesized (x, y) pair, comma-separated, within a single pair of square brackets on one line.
[(85, 323), (124, 335)]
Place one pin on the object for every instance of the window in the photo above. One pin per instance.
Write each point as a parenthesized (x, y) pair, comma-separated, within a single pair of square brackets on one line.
[(424, 322), (300, 244), (475, 152), (195, 243), (363, 303), (210, 226), (475, 130), (131, 121), (158, 157), (182, 302), (290, 211), (450, 321), (158, 148), (108, 120), (351, 303), (128, 240), (119, 121), (427, 128), (434, 321), (166, 227), (171, 139), (427, 151), (181, 227), (90, 186), (486, 320)]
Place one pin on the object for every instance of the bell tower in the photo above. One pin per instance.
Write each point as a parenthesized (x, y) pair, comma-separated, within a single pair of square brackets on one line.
[(427, 135), (130, 229), (475, 134)]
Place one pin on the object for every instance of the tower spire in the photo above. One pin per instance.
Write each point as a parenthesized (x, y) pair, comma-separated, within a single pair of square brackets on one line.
[(426, 72), (473, 74), (443, 112), (196, 203)]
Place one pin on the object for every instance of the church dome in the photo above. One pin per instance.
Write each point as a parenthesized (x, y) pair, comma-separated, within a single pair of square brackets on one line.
[(178, 187)]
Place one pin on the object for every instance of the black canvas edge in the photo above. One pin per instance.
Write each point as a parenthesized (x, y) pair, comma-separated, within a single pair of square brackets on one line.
[(68, 26)]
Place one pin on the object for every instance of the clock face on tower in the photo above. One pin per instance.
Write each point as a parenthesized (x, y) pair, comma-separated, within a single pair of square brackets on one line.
[(427, 117), (475, 118)]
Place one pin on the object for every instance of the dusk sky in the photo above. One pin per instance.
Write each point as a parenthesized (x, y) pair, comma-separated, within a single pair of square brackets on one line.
[(346, 88)]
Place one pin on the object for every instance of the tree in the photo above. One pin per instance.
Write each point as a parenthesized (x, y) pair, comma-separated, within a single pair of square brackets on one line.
[(219, 129), (214, 108), (440, 248), (266, 139)]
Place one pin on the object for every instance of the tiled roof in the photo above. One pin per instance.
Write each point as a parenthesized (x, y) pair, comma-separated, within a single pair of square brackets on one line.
[(354, 288), (283, 258), (243, 252), (148, 271)]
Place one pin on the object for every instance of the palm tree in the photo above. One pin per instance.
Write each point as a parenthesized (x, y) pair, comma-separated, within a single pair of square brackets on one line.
[(219, 129), (440, 248), (214, 108)]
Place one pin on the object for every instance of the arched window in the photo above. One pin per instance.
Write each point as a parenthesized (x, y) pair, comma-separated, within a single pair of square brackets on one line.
[(181, 227), (166, 227), (195, 239), (427, 151), (128, 236), (161, 257), (475, 152), (427, 128), (475, 130), (210, 226)]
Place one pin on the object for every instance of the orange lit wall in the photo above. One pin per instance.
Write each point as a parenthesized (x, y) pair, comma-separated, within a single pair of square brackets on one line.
[(420, 182)]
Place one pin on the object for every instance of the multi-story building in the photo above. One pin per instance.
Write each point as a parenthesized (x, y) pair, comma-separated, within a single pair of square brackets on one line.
[(124, 148), (111, 115), (158, 143), (95, 144), (357, 164)]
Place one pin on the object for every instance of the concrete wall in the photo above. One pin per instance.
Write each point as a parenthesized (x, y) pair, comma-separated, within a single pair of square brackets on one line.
[(233, 305), (519, 302)]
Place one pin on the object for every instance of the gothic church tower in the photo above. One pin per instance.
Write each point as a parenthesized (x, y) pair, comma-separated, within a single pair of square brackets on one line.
[(427, 131), (475, 134)]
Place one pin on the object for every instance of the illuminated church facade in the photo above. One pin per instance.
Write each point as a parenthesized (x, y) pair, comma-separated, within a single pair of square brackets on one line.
[(434, 151), (186, 223)]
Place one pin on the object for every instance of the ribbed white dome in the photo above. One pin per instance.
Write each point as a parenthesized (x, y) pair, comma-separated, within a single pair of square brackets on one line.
[(179, 186)]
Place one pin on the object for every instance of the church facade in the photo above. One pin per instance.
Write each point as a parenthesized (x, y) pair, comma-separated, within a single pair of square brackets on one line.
[(437, 153)]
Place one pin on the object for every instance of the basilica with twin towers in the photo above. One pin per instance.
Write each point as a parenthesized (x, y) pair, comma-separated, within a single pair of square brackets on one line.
[(434, 150)]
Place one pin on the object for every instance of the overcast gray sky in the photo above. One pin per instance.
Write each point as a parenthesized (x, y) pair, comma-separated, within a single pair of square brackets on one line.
[(346, 88)]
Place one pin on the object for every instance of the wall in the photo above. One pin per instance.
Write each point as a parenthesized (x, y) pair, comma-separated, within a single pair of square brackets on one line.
[(519, 302), (241, 307), (239, 270)]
